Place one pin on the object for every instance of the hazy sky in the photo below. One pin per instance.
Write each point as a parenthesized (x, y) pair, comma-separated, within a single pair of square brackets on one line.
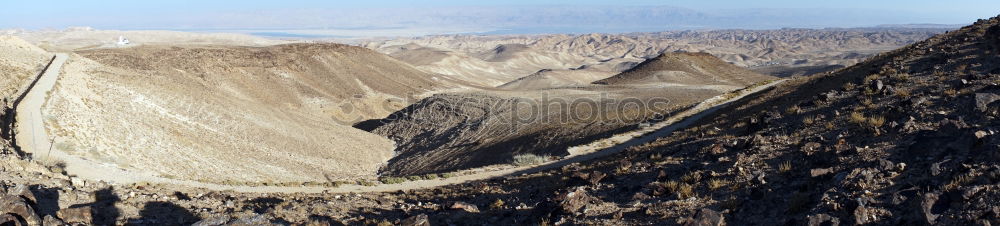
[(288, 14)]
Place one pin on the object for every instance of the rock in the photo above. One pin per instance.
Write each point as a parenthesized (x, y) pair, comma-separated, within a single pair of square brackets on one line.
[(49, 220), (707, 217), (823, 220), (572, 201), (213, 221), (877, 85), (593, 178), (17, 207), (828, 96), (418, 220), (926, 205), (258, 219), (464, 207), (596, 177), (917, 101), (76, 215), (820, 172), (862, 215), (889, 90), (980, 134), (24, 192), (77, 182), (970, 192), (983, 100)]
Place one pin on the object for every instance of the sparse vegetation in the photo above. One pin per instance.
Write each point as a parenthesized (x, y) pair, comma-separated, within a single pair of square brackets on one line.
[(392, 180), (785, 167), (808, 120), (848, 86), (528, 159), (950, 92), (794, 109), (497, 205), (692, 177), (716, 184)]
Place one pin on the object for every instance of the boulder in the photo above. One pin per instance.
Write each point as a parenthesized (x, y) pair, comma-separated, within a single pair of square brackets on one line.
[(24, 192), (862, 215), (820, 172), (472, 208), (707, 217), (926, 205), (49, 220), (571, 202), (823, 220), (877, 85), (82, 214), (593, 178), (418, 220), (17, 207), (983, 100)]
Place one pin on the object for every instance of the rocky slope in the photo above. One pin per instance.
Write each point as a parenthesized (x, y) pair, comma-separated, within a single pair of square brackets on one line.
[(686, 68), (229, 114), (458, 131)]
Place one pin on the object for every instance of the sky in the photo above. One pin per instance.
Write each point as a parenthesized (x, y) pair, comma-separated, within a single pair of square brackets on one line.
[(443, 16)]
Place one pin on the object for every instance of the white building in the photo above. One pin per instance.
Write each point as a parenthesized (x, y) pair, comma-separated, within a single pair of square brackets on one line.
[(122, 40)]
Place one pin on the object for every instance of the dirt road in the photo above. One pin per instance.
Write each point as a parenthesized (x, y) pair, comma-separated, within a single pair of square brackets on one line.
[(32, 138)]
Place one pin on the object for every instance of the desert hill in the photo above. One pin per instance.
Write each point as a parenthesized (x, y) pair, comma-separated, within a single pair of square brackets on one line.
[(230, 114), (458, 131), (19, 62), (781, 52), (547, 79), (686, 68)]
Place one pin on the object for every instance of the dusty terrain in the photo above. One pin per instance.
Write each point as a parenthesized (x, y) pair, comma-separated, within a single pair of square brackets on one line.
[(19, 62), (448, 132), (231, 114)]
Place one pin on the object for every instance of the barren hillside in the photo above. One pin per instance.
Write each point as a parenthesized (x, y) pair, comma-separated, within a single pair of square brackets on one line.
[(449, 132), (220, 114), (776, 52), (686, 68), (464, 130), (19, 62), (487, 68), (548, 79)]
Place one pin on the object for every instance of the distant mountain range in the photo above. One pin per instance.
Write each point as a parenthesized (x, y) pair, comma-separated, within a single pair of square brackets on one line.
[(298, 23)]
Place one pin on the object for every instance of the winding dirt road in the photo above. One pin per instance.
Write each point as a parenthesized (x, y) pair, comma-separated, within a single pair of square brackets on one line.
[(32, 138)]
